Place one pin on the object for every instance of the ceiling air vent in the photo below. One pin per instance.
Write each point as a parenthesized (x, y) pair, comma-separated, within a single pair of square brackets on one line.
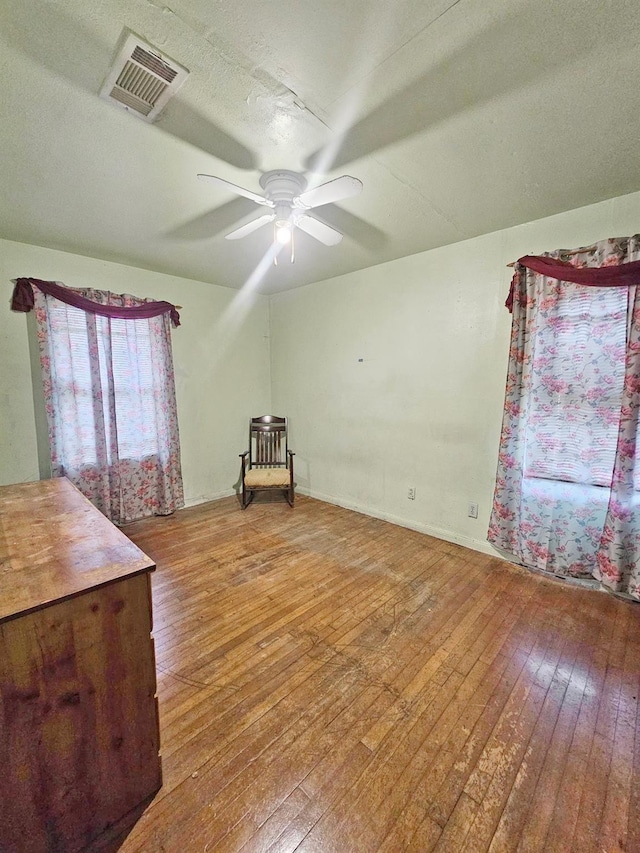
[(142, 79)]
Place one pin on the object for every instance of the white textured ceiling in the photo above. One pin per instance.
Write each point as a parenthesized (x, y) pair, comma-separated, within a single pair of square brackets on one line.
[(459, 118)]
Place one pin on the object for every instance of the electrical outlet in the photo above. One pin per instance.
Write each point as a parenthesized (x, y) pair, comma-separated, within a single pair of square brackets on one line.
[(473, 510), (411, 493)]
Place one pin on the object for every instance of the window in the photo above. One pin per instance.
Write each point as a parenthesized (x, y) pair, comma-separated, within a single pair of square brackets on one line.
[(567, 495), (123, 348), (110, 402), (577, 379)]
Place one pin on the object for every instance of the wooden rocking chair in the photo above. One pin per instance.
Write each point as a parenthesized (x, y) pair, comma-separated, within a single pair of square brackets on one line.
[(268, 463)]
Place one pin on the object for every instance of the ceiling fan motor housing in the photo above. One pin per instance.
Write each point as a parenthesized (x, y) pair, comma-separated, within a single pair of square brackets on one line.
[(285, 192), (282, 186)]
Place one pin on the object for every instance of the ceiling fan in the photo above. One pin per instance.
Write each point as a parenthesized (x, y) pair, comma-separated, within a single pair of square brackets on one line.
[(286, 194)]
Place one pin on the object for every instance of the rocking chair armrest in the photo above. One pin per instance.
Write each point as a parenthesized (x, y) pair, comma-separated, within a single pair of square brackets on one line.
[(290, 453), (242, 455)]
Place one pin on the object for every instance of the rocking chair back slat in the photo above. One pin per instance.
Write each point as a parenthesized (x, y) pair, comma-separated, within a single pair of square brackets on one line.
[(268, 442)]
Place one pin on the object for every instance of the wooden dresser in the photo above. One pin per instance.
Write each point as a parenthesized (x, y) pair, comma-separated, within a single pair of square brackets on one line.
[(79, 736)]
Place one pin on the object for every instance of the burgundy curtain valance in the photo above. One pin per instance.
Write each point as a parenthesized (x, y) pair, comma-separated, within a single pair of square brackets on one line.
[(620, 275), (23, 300)]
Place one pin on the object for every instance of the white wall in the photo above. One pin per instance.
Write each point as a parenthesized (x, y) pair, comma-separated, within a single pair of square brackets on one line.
[(221, 360), (422, 409), (424, 406)]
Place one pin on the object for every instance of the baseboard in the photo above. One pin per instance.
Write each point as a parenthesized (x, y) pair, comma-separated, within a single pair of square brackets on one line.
[(421, 527), (214, 496)]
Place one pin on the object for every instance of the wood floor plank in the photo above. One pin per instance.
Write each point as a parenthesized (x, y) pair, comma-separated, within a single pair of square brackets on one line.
[(339, 778), (417, 752), (261, 836), (567, 803), (599, 771), (316, 743), (330, 682), (420, 716), (548, 786), (405, 757), (480, 721), (633, 807), (272, 692), (508, 766), (518, 804), (444, 749), (505, 719)]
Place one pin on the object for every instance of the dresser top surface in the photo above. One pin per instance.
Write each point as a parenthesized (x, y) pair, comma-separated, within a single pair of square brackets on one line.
[(55, 544)]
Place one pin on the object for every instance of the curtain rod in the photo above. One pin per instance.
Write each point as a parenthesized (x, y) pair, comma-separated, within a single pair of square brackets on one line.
[(572, 252)]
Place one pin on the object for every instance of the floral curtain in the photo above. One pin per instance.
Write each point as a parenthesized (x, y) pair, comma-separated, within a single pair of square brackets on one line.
[(110, 402), (567, 495)]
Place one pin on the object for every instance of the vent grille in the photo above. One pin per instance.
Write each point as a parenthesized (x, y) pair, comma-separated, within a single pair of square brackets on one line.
[(128, 100), (142, 80), (154, 63), (138, 85)]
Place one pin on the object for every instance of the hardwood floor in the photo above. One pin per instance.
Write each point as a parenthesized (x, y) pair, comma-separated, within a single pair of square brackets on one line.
[(332, 683)]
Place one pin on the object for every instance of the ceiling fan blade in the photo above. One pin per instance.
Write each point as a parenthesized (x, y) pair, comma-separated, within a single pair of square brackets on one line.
[(315, 228), (250, 227), (259, 199), (336, 190), (217, 221)]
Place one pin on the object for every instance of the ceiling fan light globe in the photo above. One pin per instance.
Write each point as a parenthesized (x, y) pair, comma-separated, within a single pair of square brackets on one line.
[(283, 234)]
